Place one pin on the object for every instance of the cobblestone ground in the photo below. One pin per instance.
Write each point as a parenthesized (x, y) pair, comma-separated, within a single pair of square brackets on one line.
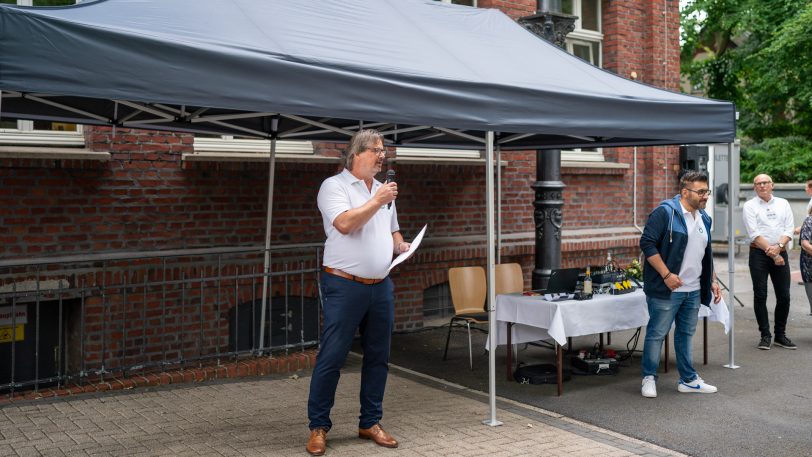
[(267, 417)]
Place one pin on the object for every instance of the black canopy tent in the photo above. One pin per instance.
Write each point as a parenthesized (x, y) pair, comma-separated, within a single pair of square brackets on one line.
[(443, 74), (426, 74)]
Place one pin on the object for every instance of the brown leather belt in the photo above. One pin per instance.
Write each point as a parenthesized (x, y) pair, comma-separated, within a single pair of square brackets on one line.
[(345, 275)]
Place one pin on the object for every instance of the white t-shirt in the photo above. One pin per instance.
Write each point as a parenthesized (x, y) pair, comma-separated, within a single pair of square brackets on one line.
[(770, 219), (691, 268), (366, 252)]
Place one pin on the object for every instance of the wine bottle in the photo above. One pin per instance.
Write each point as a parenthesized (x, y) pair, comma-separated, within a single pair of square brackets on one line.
[(588, 282)]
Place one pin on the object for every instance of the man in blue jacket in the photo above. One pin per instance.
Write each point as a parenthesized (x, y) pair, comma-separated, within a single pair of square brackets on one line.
[(678, 276)]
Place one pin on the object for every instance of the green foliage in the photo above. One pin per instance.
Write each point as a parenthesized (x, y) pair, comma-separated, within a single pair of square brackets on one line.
[(779, 77), (757, 54), (785, 159)]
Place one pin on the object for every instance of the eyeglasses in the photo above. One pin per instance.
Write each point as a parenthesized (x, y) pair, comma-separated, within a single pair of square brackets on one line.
[(377, 151), (763, 183), (700, 192)]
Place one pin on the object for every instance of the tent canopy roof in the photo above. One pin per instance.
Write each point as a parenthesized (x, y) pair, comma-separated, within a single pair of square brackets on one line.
[(424, 72)]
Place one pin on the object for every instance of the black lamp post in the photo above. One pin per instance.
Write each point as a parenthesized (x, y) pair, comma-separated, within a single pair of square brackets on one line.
[(552, 25)]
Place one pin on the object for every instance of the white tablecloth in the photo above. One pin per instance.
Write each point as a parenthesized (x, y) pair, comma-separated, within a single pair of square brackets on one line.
[(537, 319)]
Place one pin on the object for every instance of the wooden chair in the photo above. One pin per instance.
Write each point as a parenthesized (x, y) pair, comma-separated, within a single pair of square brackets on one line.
[(468, 294), (509, 278)]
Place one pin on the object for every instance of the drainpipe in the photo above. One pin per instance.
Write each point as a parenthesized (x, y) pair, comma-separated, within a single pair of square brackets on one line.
[(634, 194)]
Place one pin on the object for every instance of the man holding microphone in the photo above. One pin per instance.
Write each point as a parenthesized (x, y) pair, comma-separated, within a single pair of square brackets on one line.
[(362, 230)]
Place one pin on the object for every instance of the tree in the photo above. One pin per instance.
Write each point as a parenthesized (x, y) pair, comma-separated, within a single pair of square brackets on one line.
[(757, 54), (779, 77), (785, 159)]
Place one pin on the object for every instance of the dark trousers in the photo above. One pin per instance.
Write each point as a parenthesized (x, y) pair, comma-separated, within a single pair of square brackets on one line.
[(350, 306), (762, 266)]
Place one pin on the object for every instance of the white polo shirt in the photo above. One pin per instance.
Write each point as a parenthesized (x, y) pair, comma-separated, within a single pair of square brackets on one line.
[(691, 268), (770, 219), (366, 252)]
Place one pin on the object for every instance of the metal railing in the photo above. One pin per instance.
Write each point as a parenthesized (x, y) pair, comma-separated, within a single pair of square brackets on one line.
[(82, 319)]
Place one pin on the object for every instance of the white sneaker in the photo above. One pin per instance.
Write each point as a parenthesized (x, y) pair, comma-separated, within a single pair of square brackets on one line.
[(649, 389), (698, 385)]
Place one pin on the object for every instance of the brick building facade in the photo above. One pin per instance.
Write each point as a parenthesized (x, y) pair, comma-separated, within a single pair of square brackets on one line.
[(149, 195)]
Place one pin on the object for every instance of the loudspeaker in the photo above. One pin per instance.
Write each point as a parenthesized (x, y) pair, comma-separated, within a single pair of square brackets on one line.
[(693, 158)]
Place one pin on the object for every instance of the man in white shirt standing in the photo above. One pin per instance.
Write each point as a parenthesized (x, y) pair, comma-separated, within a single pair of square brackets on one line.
[(360, 220), (769, 225)]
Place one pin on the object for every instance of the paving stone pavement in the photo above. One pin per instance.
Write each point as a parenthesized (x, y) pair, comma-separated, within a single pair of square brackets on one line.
[(267, 417)]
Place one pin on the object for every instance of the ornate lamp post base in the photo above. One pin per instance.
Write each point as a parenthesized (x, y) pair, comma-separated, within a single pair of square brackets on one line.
[(553, 27)]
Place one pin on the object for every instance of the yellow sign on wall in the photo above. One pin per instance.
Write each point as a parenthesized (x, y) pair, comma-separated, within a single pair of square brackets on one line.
[(6, 333)]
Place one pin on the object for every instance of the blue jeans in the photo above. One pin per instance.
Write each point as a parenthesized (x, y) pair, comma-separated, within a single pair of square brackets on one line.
[(681, 309), (350, 306)]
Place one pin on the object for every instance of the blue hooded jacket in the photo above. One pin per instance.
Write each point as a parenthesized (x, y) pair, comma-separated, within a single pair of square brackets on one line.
[(667, 234)]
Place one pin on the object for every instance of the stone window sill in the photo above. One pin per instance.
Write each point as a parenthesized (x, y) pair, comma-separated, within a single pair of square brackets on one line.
[(593, 168)]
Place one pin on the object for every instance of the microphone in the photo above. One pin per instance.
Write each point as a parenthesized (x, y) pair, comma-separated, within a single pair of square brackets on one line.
[(390, 177)]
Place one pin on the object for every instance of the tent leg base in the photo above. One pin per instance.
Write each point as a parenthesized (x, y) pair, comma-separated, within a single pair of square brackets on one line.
[(492, 422), (731, 366)]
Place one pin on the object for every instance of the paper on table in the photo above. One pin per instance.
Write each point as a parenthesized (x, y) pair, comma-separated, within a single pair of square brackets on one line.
[(412, 248)]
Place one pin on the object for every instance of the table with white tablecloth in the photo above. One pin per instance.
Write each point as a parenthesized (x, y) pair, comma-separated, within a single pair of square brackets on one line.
[(531, 318)]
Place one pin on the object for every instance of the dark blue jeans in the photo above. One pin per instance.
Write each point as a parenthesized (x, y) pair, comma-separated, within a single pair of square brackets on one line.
[(350, 306), (681, 309), (762, 266)]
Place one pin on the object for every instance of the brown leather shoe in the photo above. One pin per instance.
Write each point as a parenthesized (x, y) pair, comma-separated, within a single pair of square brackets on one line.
[(378, 435), (317, 443)]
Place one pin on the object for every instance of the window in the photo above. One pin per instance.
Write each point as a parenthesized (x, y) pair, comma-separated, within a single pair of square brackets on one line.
[(42, 133), (584, 42), (217, 148), (421, 155), (460, 2)]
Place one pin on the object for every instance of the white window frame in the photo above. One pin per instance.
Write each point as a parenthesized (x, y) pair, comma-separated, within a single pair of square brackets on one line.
[(437, 155), (451, 1), (25, 135), (229, 149), (577, 8), (585, 37)]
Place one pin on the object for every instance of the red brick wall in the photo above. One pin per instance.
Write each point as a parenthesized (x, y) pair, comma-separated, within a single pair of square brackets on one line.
[(146, 199), (513, 8)]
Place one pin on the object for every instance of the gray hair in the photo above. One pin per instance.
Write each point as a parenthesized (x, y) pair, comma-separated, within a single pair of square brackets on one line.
[(692, 176), (360, 142)]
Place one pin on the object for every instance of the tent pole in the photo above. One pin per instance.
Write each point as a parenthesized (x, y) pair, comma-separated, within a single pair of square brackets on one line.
[(491, 270), (266, 269), (732, 202)]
